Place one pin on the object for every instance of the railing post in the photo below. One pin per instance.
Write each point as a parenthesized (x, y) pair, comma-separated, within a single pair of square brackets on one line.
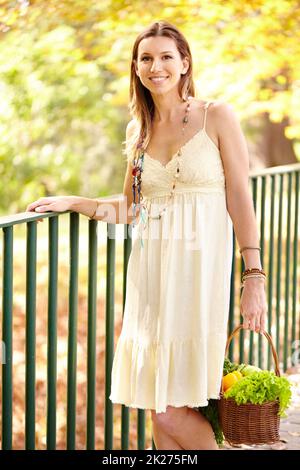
[(287, 273), (262, 253), (109, 338), (72, 340), (7, 337), (52, 334), (92, 328), (295, 258), (271, 265), (125, 410), (278, 277), (30, 335)]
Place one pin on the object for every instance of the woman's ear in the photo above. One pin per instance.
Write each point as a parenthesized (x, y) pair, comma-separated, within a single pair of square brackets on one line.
[(186, 64)]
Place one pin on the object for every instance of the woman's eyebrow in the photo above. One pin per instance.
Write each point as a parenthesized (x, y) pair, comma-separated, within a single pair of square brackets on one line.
[(164, 52)]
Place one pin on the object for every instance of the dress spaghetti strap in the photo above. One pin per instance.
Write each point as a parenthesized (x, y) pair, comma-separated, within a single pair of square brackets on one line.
[(205, 112)]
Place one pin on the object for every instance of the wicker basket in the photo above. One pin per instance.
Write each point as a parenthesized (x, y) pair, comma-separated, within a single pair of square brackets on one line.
[(249, 423)]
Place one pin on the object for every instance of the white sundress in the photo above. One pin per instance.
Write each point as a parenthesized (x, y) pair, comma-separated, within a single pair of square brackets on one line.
[(172, 344)]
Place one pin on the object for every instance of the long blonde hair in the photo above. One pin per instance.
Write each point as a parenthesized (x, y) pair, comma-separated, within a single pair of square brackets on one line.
[(141, 105)]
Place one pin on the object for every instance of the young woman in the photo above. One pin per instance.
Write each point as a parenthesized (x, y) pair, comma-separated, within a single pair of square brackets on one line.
[(186, 187)]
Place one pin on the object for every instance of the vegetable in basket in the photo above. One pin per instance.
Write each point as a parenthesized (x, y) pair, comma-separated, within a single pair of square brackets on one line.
[(249, 369), (233, 366), (261, 387), (229, 366), (230, 379), (247, 384), (211, 411)]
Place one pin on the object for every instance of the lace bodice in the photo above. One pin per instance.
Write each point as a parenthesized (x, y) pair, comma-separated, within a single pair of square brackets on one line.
[(201, 165)]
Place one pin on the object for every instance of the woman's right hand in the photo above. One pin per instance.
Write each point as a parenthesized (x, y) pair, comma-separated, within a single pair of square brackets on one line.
[(52, 204)]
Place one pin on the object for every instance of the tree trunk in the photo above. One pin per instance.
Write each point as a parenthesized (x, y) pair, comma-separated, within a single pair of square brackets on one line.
[(272, 147)]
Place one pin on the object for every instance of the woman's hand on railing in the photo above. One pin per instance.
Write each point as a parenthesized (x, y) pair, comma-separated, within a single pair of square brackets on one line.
[(52, 204), (112, 210)]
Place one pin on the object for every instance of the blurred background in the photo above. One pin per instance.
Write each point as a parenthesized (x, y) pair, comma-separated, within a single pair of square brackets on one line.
[(64, 91), (64, 80)]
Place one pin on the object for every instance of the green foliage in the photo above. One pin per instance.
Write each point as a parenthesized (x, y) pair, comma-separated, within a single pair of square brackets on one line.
[(260, 387), (56, 136), (64, 77)]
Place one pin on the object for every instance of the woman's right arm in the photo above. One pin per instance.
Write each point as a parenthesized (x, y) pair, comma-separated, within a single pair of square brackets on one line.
[(113, 210), (118, 209)]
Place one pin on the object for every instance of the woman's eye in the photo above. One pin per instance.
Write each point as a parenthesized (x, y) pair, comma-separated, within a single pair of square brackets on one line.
[(165, 56)]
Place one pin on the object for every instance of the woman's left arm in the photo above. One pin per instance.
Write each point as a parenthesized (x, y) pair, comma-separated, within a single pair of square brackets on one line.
[(235, 158)]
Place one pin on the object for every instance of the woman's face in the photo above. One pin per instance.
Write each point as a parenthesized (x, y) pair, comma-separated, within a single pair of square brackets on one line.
[(159, 64)]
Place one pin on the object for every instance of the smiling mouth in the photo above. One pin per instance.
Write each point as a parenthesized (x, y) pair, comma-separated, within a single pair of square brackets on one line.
[(158, 79)]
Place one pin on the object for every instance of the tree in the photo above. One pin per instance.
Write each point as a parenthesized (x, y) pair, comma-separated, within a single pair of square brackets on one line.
[(65, 78)]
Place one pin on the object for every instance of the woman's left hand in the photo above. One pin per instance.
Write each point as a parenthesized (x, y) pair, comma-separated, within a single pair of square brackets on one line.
[(253, 304)]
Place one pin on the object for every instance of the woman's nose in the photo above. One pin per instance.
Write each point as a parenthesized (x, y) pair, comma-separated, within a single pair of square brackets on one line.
[(156, 65)]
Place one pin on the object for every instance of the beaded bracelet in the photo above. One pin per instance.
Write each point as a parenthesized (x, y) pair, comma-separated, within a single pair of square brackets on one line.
[(253, 270), (252, 275)]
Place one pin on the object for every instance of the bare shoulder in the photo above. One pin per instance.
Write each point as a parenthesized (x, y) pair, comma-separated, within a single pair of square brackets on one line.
[(215, 105), (220, 106), (199, 104), (220, 111), (214, 110), (224, 117)]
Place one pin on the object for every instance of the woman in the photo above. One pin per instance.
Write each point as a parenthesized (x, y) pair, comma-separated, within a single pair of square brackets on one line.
[(186, 184)]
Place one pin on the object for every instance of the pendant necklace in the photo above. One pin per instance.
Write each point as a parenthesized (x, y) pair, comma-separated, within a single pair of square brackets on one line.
[(138, 164)]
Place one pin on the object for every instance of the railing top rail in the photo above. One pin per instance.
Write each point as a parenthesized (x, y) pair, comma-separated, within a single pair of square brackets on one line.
[(24, 217), (275, 170)]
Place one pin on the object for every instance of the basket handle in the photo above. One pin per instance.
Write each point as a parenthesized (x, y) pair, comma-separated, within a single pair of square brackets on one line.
[(274, 353)]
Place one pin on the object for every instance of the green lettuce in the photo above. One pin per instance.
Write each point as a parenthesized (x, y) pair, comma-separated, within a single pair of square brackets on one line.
[(260, 387)]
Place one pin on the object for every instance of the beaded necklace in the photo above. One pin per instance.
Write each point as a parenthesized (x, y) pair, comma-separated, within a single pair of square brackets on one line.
[(138, 166)]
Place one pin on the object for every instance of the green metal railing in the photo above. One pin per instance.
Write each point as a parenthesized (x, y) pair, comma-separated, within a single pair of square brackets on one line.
[(276, 201), (275, 193)]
